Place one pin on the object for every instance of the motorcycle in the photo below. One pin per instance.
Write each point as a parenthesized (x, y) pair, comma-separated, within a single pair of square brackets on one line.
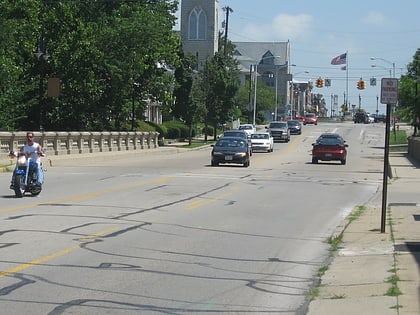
[(25, 177)]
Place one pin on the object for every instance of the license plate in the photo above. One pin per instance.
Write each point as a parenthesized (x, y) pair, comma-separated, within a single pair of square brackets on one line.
[(328, 155), (228, 158)]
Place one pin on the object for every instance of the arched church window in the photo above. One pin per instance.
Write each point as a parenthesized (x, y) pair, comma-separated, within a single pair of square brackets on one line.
[(197, 24)]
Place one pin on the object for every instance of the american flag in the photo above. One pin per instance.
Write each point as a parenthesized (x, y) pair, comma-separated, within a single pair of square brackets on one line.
[(340, 60)]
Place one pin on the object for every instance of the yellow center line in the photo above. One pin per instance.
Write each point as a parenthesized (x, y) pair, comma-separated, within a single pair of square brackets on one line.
[(54, 255), (88, 196), (202, 202)]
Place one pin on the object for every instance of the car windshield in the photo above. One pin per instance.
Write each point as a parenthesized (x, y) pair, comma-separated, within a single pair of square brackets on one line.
[(231, 143), (245, 127), (278, 125), (259, 136)]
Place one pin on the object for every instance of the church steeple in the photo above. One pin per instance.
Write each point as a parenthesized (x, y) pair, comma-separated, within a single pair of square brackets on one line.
[(200, 27)]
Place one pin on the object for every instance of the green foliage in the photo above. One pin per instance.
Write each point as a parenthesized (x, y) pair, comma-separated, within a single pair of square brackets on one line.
[(398, 137), (218, 83), (409, 92), (335, 241), (145, 126), (209, 130), (162, 129), (105, 53), (176, 129)]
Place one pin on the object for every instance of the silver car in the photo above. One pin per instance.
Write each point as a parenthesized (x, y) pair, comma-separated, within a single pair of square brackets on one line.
[(279, 130)]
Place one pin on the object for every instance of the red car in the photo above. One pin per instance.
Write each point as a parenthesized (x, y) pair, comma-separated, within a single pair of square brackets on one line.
[(329, 148), (310, 119)]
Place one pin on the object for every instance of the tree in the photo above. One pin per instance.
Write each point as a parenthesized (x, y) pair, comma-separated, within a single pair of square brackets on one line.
[(188, 100), (219, 83), (409, 93), (100, 50), (265, 99)]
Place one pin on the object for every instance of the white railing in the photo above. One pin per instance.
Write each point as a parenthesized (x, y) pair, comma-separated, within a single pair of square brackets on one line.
[(74, 142)]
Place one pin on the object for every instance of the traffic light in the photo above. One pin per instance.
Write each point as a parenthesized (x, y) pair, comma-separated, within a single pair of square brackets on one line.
[(361, 84), (319, 83)]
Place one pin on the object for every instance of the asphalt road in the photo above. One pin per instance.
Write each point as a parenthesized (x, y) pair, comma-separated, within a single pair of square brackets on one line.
[(169, 234)]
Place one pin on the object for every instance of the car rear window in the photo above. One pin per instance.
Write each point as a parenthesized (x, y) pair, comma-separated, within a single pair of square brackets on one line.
[(329, 141), (235, 134)]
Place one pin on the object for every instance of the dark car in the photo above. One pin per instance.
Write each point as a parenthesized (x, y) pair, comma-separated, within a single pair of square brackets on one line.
[(329, 148), (295, 127), (360, 118), (379, 117), (238, 133), (231, 150)]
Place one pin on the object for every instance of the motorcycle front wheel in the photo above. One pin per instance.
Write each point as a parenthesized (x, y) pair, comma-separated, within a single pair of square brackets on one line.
[(19, 185)]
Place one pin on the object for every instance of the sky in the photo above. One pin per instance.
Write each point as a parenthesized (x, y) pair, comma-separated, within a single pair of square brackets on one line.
[(319, 31)]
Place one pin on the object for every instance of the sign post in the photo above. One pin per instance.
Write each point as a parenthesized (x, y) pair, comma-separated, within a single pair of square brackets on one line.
[(389, 95)]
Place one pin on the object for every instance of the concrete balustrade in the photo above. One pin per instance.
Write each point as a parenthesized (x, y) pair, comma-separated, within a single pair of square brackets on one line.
[(414, 148), (66, 143)]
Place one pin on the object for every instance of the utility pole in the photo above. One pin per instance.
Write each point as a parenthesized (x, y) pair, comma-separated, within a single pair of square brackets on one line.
[(227, 10)]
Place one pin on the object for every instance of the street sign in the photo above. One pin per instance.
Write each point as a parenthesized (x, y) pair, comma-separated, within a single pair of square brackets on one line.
[(389, 91)]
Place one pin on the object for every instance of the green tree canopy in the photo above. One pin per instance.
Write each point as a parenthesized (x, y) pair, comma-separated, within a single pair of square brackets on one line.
[(105, 53), (408, 92)]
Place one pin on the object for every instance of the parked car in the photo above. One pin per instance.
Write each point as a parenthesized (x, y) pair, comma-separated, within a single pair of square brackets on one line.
[(360, 118), (248, 128), (279, 130), (329, 148), (295, 127), (231, 150), (262, 141), (310, 118), (238, 133), (379, 117), (371, 119)]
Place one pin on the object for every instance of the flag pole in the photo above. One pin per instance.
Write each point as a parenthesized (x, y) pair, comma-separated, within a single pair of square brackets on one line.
[(347, 79)]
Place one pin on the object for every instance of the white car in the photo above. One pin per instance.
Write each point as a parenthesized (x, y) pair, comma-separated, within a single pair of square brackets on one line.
[(262, 141), (248, 128)]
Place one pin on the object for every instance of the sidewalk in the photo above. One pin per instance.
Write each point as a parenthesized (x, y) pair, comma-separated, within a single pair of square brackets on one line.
[(371, 267)]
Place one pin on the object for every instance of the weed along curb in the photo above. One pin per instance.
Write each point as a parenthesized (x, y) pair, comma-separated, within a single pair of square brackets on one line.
[(361, 274)]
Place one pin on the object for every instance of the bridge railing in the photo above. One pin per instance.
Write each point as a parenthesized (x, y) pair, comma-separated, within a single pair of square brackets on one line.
[(73, 142), (414, 148)]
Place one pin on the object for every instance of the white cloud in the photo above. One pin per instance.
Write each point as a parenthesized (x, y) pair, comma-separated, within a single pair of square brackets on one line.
[(292, 25), (282, 27), (374, 18)]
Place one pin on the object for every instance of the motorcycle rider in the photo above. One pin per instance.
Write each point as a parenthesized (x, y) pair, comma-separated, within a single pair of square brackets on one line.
[(34, 151)]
